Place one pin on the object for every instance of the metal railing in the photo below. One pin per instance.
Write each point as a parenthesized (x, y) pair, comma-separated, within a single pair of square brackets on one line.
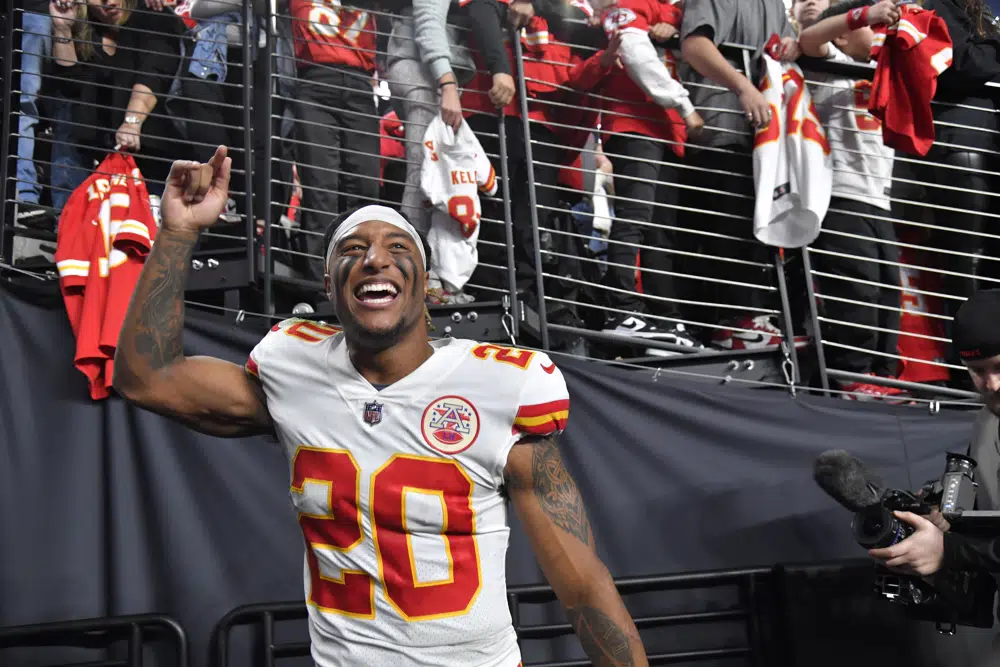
[(679, 253), (748, 613), (123, 640)]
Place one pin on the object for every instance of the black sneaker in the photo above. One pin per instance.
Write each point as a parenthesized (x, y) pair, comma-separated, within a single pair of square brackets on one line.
[(673, 333), (35, 216)]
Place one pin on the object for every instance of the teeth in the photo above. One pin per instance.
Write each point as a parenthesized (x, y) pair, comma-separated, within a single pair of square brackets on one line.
[(378, 287)]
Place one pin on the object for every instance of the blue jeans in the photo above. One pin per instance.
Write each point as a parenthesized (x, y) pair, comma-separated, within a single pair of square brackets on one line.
[(69, 159), (36, 45)]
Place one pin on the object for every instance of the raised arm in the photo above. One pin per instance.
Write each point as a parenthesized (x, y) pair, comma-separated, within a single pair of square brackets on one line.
[(549, 506), (815, 39), (209, 395)]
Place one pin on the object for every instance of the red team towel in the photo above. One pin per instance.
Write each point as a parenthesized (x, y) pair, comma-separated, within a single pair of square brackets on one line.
[(911, 55), (105, 232)]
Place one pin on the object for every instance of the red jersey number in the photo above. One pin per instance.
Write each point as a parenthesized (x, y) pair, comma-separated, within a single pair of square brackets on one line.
[(336, 527)]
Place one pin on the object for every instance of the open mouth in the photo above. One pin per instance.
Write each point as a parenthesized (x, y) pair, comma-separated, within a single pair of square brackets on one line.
[(376, 293)]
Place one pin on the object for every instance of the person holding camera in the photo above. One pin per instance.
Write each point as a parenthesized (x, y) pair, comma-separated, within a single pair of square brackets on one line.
[(932, 546)]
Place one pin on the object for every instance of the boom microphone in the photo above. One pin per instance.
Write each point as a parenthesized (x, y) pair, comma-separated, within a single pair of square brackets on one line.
[(847, 480)]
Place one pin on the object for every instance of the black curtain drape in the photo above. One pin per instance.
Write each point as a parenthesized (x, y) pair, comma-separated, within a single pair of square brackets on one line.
[(108, 510)]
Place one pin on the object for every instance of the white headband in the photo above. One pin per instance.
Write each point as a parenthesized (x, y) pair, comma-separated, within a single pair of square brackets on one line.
[(381, 214)]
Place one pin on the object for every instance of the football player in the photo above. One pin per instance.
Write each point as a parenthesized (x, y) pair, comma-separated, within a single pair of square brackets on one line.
[(402, 450)]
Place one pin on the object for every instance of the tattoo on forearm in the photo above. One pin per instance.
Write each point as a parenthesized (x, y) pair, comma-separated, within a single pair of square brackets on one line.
[(605, 644), (160, 301), (556, 491)]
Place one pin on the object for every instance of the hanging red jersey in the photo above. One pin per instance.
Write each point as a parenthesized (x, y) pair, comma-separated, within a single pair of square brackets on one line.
[(325, 32), (910, 54), (105, 232), (922, 344)]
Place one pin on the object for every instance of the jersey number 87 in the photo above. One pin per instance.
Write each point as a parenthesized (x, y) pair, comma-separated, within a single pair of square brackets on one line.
[(338, 529)]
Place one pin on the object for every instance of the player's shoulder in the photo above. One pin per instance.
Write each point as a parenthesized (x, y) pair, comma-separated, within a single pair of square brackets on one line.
[(506, 363), (291, 334)]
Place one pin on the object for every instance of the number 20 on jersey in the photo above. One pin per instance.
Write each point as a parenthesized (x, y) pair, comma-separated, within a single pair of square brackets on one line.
[(338, 529)]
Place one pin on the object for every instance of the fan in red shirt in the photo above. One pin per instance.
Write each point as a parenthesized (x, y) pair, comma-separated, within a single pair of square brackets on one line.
[(646, 116), (337, 132)]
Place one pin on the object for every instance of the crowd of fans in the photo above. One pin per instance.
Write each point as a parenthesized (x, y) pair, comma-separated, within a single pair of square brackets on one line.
[(641, 137)]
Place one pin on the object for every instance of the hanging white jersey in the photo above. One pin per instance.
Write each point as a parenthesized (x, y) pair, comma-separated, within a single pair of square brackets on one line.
[(398, 492), (792, 167), (862, 163), (454, 171)]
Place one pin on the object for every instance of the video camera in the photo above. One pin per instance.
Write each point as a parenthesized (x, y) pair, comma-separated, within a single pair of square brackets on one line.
[(948, 598)]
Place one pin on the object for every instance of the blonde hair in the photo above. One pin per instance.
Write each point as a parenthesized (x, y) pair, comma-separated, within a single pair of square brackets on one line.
[(83, 28)]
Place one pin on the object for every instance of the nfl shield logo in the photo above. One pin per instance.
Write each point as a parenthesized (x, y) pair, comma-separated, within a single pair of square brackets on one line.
[(373, 413)]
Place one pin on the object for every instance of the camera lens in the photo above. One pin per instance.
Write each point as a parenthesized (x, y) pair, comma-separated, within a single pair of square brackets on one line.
[(876, 527)]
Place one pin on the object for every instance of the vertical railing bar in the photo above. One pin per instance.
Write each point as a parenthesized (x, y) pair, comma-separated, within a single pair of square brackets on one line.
[(135, 645), (522, 92), (7, 207), (267, 619), (248, 51), (508, 225), (787, 327), (265, 56), (515, 619), (814, 317)]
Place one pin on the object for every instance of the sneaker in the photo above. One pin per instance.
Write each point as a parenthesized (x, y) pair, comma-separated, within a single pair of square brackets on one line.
[(752, 333), (674, 333), (230, 216), (439, 296), (863, 391), (35, 216)]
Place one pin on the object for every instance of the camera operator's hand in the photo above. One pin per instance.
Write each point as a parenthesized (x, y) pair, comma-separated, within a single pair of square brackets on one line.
[(919, 554), (938, 520)]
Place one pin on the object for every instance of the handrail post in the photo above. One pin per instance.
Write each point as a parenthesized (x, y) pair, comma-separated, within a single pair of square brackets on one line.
[(522, 92)]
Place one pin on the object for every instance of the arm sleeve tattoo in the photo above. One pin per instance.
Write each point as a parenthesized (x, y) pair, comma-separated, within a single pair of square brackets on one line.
[(604, 642), (555, 490)]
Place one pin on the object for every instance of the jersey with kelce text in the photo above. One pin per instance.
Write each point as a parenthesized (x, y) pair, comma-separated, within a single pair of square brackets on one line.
[(399, 492), (455, 170), (792, 167)]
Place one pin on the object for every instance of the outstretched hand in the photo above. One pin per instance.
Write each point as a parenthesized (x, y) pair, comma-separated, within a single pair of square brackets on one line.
[(195, 193)]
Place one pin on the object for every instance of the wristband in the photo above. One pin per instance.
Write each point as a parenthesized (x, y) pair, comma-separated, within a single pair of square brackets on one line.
[(857, 18), (63, 40), (447, 83)]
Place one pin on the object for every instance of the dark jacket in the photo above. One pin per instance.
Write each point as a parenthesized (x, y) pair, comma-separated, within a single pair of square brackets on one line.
[(975, 60), (148, 53)]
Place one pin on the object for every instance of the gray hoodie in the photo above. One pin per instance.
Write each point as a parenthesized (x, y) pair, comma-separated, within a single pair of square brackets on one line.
[(423, 34)]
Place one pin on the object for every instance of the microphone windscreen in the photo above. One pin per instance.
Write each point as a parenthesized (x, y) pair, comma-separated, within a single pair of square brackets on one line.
[(847, 480)]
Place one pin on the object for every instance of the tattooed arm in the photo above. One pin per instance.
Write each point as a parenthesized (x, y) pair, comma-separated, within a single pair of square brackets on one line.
[(209, 395), (549, 506)]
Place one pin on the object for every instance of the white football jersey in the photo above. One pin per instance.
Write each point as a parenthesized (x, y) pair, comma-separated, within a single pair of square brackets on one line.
[(398, 492), (792, 167), (454, 171), (862, 163)]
